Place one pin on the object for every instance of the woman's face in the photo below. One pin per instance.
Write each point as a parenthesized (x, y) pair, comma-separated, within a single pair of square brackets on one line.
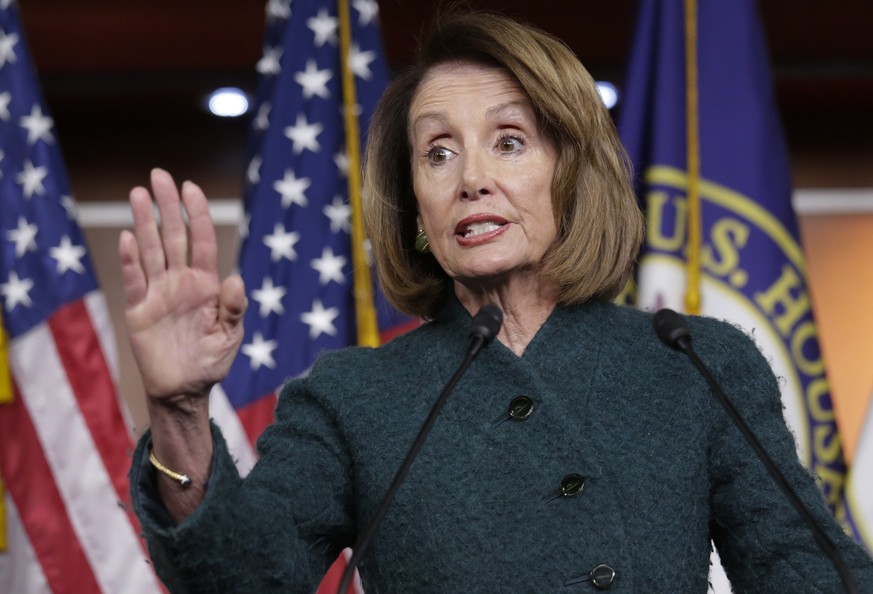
[(482, 173)]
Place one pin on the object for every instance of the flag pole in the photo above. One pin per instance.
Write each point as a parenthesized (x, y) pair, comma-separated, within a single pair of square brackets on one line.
[(5, 377), (692, 130), (365, 312)]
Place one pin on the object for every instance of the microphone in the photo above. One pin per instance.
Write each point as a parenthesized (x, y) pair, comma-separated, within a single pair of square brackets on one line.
[(483, 329), (673, 331)]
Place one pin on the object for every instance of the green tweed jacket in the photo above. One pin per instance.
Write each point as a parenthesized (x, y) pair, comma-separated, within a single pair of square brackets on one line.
[(651, 466)]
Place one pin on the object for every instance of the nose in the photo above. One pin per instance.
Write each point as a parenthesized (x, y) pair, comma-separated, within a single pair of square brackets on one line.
[(476, 180)]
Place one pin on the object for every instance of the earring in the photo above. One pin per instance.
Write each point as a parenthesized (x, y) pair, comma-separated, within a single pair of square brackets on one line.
[(422, 245)]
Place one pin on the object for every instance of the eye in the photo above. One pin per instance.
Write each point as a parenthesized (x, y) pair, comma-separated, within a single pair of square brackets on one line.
[(438, 154), (509, 144)]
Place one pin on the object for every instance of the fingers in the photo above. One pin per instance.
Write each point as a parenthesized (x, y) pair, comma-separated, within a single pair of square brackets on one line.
[(204, 246), (173, 231), (233, 301), (150, 248), (132, 274)]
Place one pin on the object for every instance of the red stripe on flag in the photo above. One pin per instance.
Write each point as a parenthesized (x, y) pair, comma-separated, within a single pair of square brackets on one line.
[(29, 480), (90, 380), (256, 416), (388, 334)]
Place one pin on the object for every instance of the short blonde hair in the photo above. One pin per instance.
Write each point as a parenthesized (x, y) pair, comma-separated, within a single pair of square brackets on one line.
[(596, 212)]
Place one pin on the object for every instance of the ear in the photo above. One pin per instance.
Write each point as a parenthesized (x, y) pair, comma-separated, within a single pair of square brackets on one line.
[(418, 221)]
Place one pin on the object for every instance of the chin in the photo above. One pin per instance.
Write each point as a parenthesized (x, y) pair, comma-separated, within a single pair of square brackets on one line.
[(486, 272)]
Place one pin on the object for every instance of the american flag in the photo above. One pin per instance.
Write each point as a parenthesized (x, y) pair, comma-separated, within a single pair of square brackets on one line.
[(64, 438), (295, 254)]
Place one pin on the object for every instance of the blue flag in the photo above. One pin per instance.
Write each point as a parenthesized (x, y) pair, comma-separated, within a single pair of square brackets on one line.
[(750, 260)]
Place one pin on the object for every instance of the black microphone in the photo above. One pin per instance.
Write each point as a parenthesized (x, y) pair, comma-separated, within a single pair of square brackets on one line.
[(483, 329), (673, 332)]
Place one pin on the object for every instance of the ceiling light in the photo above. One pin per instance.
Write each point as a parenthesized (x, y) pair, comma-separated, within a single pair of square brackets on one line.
[(228, 102), (608, 93)]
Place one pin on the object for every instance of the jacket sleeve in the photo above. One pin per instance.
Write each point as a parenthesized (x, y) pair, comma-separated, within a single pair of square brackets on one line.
[(278, 529), (763, 542)]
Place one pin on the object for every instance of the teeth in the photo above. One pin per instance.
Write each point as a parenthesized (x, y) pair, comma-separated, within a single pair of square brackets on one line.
[(479, 228)]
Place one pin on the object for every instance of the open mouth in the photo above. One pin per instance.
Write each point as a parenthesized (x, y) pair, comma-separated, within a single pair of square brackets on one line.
[(479, 228)]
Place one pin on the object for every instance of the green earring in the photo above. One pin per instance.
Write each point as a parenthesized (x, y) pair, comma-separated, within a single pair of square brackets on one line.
[(422, 245)]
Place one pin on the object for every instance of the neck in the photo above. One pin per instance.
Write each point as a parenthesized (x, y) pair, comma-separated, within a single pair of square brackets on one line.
[(526, 306)]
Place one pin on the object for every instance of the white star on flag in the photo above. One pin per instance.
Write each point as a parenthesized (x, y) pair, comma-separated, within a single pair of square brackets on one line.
[(291, 188), (31, 179), (7, 48), (339, 214), (324, 26), (359, 62), (69, 205), (68, 256), (368, 10), (262, 120), (38, 126), (16, 291), (253, 172), (260, 351), (320, 320), (281, 243), (5, 98), (24, 237), (341, 160), (269, 62), (278, 9), (329, 267), (244, 225), (304, 135), (270, 298), (313, 81)]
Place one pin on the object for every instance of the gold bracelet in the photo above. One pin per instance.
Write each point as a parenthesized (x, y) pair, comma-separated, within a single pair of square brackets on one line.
[(182, 479)]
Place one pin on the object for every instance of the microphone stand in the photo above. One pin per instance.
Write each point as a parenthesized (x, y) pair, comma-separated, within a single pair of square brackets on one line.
[(486, 323), (673, 332)]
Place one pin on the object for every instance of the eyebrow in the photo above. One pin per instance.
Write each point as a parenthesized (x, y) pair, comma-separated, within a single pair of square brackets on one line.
[(437, 116), (492, 113), (499, 110)]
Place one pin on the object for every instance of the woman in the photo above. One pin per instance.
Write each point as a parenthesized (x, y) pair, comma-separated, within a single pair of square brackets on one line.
[(577, 453)]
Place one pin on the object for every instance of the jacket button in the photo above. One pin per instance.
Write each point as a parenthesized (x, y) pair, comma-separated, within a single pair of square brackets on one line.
[(602, 576), (572, 485), (520, 408)]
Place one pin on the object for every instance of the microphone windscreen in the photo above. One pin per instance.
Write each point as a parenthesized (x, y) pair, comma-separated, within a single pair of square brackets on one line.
[(671, 328), (487, 321)]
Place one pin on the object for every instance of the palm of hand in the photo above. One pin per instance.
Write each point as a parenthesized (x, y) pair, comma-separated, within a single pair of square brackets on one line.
[(177, 337), (184, 327)]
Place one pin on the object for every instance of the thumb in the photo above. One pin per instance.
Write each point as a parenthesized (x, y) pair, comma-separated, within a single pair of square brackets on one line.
[(232, 301)]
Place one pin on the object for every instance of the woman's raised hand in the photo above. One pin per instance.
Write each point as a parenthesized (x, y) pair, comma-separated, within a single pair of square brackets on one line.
[(185, 326)]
